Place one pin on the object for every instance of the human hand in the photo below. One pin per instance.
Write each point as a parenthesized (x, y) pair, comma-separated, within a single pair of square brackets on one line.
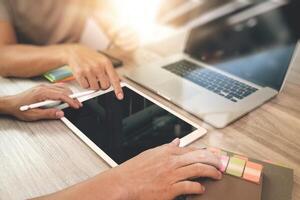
[(38, 94), (124, 38), (165, 172), (92, 69), (121, 34)]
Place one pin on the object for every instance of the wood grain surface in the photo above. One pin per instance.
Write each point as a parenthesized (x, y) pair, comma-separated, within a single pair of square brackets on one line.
[(42, 157)]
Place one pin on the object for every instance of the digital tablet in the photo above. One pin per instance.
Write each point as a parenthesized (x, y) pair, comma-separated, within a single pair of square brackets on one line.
[(119, 130)]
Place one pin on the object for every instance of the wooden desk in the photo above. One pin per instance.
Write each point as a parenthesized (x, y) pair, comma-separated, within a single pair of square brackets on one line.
[(43, 157)]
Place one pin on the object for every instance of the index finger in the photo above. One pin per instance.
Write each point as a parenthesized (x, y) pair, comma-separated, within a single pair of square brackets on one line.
[(54, 95), (200, 156), (62, 86), (114, 80)]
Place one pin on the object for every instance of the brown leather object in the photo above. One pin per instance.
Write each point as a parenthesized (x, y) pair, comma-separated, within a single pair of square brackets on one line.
[(229, 188), (277, 184)]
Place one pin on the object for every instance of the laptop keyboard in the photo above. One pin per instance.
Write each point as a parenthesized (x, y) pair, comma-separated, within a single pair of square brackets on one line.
[(213, 81)]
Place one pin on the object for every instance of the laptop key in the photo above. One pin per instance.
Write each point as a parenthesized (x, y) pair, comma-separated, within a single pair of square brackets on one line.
[(213, 81)]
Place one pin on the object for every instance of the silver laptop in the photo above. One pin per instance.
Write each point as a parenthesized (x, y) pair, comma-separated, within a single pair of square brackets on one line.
[(230, 66)]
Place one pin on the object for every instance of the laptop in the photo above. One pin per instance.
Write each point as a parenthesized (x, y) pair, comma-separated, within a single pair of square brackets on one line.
[(230, 66)]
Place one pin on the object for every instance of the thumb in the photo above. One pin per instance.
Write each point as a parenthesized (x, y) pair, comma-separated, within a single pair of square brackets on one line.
[(175, 142), (51, 113)]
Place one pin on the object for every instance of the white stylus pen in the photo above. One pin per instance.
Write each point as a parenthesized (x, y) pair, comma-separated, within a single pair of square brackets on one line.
[(54, 102)]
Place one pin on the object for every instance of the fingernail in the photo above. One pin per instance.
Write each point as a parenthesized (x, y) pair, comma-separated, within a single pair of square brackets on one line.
[(59, 114), (175, 140), (120, 96), (203, 188), (80, 104), (220, 175)]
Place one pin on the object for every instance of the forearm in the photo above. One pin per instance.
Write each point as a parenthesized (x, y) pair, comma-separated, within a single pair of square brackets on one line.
[(105, 15), (103, 186), (29, 61), (5, 104)]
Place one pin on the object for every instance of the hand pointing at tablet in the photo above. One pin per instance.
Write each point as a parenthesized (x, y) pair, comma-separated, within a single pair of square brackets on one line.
[(92, 69)]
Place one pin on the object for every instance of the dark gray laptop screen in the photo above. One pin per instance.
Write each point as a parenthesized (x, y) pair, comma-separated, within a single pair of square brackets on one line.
[(256, 47)]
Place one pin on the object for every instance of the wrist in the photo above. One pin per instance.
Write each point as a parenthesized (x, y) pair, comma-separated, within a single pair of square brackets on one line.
[(68, 51), (123, 184), (7, 106), (116, 187), (62, 52)]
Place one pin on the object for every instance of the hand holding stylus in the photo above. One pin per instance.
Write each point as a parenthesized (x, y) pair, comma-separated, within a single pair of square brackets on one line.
[(57, 93), (52, 103)]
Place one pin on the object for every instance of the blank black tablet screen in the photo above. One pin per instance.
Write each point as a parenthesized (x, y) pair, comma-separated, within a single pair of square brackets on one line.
[(123, 129)]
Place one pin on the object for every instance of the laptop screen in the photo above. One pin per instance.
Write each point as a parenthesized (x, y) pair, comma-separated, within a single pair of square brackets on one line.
[(256, 44), (181, 12)]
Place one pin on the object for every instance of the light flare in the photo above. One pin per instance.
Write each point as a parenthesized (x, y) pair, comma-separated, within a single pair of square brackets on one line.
[(140, 15)]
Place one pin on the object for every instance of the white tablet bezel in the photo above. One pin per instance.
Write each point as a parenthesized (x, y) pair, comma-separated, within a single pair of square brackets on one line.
[(191, 137)]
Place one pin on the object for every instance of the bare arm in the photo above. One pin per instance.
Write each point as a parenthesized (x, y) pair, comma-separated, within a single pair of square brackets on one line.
[(3, 105), (121, 35), (91, 69), (164, 172), (103, 186), (29, 61), (25, 60)]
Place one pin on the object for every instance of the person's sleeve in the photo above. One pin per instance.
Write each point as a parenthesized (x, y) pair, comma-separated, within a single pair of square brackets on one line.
[(4, 11)]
